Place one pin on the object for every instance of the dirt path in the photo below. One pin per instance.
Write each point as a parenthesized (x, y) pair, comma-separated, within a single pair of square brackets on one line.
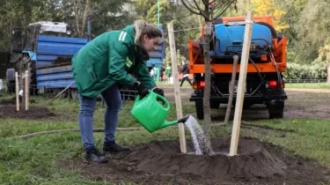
[(301, 103)]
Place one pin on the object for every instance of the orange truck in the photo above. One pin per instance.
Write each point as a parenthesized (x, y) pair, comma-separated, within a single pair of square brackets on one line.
[(267, 62)]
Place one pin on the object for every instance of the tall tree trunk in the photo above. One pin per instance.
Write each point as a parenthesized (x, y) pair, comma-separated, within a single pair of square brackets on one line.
[(207, 90), (76, 13), (86, 11), (207, 64)]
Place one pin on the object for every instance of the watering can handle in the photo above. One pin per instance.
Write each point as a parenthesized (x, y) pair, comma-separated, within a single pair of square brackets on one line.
[(162, 98), (158, 97)]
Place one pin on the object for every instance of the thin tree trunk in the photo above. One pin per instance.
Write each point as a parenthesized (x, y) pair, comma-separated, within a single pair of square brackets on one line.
[(207, 90), (76, 13), (86, 11)]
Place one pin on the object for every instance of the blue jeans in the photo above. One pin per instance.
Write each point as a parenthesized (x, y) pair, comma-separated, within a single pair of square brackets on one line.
[(113, 101)]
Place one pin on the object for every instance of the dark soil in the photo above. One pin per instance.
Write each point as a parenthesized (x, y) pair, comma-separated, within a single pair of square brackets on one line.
[(161, 162), (8, 102), (12, 101), (34, 112)]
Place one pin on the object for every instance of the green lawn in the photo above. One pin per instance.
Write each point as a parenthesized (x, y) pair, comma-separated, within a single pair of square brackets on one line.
[(35, 160), (308, 85)]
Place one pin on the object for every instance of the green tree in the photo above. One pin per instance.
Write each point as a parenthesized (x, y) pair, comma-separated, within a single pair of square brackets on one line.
[(186, 23), (12, 14), (308, 27), (105, 14)]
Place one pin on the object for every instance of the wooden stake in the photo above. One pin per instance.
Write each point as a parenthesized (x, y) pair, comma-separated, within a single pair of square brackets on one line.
[(17, 91), (26, 90), (176, 87), (241, 85), (63, 92), (328, 75), (231, 89)]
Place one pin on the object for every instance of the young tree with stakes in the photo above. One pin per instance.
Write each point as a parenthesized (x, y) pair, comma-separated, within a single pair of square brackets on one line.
[(210, 10)]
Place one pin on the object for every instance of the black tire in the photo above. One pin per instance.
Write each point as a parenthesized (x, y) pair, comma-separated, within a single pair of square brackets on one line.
[(276, 110), (199, 109), (10, 74), (10, 77), (11, 87), (247, 105), (275, 115), (214, 105)]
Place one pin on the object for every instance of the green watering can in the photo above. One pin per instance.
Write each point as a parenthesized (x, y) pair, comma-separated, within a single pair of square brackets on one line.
[(151, 112)]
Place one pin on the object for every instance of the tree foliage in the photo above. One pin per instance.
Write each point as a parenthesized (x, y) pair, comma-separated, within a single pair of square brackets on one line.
[(308, 31), (19, 13), (307, 71), (304, 22)]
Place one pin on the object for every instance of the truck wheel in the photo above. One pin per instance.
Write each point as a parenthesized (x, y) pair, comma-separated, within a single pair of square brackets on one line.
[(199, 109), (10, 77), (247, 105), (274, 114), (214, 105), (276, 109), (11, 87)]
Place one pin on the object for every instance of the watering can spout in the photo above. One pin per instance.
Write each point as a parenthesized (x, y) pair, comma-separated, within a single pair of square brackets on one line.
[(174, 122), (184, 119)]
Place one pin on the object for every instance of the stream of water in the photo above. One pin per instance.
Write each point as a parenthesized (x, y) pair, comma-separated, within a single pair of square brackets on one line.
[(202, 144)]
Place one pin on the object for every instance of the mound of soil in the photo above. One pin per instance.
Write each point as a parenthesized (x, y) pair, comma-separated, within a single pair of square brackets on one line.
[(34, 112), (161, 163), (164, 158)]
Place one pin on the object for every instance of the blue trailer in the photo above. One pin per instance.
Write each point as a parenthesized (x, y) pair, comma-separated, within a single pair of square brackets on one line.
[(53, 61)]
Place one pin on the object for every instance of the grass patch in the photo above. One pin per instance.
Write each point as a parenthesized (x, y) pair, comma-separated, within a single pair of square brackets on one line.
[(308, 85), (310, 138)]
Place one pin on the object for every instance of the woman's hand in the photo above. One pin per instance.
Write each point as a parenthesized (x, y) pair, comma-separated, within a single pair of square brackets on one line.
[(158, 91), (142, 90)]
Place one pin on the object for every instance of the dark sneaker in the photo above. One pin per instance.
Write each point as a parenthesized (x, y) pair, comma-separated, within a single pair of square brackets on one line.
[(114, 148), (94, 156)]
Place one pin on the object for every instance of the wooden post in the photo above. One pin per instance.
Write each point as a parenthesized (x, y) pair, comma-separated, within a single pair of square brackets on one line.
[(17, 91), (27, 90), (328, 75), (177, 94), (64, 91), (231, 89), (241, 85)]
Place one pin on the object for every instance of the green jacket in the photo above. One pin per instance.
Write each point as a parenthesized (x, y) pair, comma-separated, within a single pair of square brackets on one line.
[(108, 59)]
